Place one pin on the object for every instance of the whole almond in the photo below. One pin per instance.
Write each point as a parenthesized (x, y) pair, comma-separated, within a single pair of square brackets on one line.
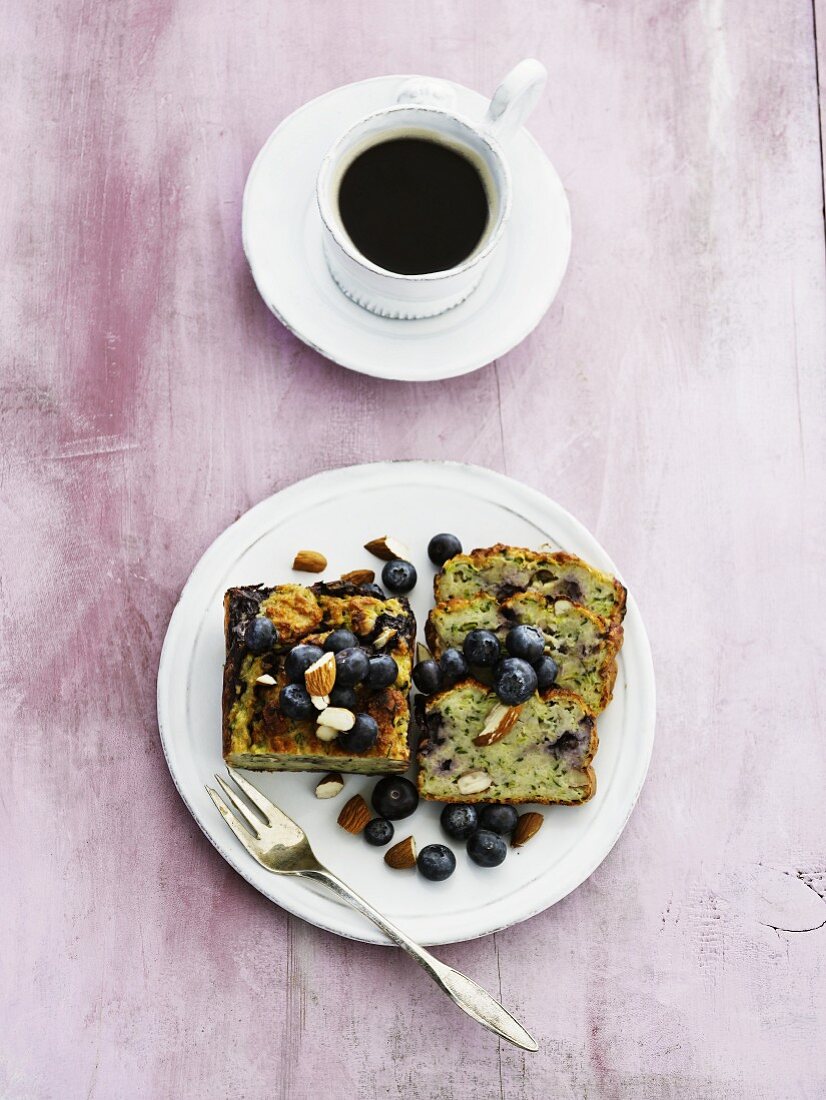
[(402, 855), (527, 826), (320, 677), (309, 561), (473, 782), (388, 549), (339, 718), (500, 722), (354, 815), (359, 576), (331, 785)]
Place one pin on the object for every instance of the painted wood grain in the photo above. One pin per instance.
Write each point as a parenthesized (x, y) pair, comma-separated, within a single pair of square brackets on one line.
[(673, 398)]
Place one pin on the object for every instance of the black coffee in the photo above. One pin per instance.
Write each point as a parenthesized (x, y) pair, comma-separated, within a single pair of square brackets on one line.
[(412, 205)]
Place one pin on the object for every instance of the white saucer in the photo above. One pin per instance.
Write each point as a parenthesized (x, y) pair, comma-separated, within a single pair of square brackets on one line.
[(358, 503), (282, 241)]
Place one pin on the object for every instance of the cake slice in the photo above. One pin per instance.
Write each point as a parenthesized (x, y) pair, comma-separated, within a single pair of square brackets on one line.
[(256, 734), (544, 757), (583, 645), (504, 570)]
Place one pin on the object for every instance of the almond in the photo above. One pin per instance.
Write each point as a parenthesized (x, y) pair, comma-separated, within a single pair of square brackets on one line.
[(388, 549), (354, 815), (527, 826), (326, 733), (402, 855), (359, 576), (320, 677), (339, 718), (473, 782), (387, 635), (331, 785), (320, 702), (501, 721), (266, 680), (562, 607), (309, 561), (422, 653)]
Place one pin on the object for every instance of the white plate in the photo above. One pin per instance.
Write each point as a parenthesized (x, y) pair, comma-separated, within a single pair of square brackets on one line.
[(336, 512), (282, 241)]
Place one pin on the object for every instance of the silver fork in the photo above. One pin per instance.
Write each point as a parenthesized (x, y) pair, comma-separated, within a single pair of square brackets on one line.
[(282, 847)]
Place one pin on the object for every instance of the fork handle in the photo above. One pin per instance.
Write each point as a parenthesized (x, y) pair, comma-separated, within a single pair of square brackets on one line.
[(463, 991)]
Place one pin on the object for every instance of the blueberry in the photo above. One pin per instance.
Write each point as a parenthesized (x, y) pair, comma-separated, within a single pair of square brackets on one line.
[(481, 648), (460, 821), (546, 671), (340, 639), (514, 681), (453, 666), (382, 672), (399, 576), (486, 848), (343, 697), (362, 736), (394, 797), (295, 702), (436, 862), (299, 660), (526, 642), (260, 635), (441, 547), (378, 832), (373, 590), (352, 666), (498, 819), (427, 676)]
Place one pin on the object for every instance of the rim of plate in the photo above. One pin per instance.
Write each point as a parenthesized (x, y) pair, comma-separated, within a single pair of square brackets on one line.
[(430, 369), (302, 904)]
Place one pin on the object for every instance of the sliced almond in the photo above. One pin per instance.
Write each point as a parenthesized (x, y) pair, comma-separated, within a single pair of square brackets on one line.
[(359, 576), (527, 826), (339, 718), (320, 702), (473, 782), (354, 815), (562, 607), (266, 680), (501, 721), (422, 653), (388, 549), (331, 785), (320, 677), (309, 561), (387, 635), (402, 855), (326, 733)]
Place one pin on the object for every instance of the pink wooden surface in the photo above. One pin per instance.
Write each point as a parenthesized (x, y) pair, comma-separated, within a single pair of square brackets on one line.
[(673, 398)]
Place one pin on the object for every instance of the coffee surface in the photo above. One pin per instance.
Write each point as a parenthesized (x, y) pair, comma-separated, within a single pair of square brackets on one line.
[(413, 206)]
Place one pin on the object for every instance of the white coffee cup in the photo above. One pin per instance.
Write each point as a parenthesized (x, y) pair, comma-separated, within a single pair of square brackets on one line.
[(424, 108)]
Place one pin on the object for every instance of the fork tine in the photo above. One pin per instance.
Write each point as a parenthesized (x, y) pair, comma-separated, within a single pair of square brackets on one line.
[(255, 824), (268, 810), (245, 837)]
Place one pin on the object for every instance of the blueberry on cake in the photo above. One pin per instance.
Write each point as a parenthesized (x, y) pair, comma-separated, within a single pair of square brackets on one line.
[(317, 678), (504, 570), (474, 749), (582, 645)]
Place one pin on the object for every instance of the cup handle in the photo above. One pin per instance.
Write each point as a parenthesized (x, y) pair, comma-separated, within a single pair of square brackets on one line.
[(515, 98)]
